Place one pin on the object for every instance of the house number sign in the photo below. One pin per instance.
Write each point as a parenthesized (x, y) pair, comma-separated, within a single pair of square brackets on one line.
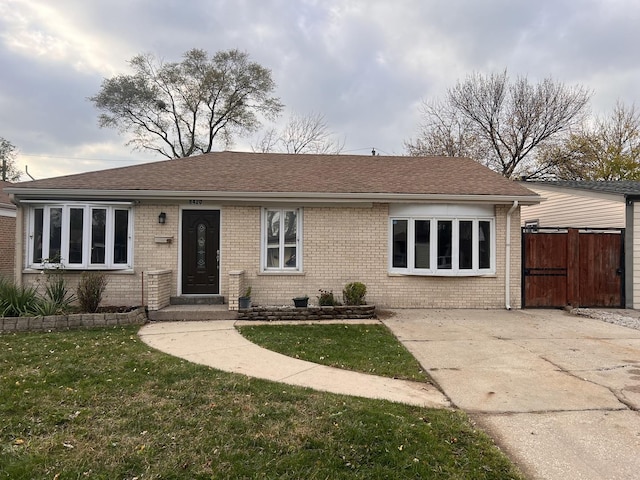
[(195, 202)]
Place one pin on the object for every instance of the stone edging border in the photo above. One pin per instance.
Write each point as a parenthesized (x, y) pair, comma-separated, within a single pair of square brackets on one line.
[(340, 312), (52, 323)]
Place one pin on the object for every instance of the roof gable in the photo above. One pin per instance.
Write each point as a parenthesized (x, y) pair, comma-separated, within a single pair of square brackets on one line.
[(241, 172)]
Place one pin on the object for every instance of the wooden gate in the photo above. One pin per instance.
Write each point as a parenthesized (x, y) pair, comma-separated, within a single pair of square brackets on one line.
[(577, 267)]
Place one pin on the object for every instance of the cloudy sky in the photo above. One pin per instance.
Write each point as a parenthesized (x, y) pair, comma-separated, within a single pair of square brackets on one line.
[(366, 65)]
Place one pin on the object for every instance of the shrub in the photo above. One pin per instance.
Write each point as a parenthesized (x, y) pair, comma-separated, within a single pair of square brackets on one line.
[(90, 290), (17, 301), (327, 299), (354, 293), (57, 294)]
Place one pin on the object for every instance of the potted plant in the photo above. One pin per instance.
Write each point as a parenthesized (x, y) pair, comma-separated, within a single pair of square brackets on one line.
[(301, 302), (245, 300)]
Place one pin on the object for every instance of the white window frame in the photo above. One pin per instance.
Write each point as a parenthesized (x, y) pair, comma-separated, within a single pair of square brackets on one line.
[(434, 214), (109, 261), (263, 241)]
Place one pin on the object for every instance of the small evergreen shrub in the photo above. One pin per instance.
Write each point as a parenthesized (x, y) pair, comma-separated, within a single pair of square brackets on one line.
[(90, 290), (354, 293)]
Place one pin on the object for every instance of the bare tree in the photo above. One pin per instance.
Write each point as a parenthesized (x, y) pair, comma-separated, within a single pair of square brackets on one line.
[(9, 171), (301, 134), (606, 149), (444, 131), (183, 108), (500, 123)]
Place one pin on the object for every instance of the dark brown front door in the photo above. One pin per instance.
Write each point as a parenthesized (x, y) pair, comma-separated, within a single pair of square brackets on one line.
[(200, 251)]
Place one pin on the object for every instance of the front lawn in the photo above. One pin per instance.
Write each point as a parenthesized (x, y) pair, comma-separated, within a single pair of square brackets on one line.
[(100, 404), (368, 348)]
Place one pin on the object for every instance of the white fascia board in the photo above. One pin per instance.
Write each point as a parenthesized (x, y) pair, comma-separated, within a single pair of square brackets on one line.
[(308, 197)]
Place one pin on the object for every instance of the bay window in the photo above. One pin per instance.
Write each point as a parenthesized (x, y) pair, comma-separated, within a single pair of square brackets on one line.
[(281, 240), (445, 240), (80, 236)]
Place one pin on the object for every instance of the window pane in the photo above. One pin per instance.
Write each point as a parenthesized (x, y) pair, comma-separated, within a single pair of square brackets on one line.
[(37, 234), (273, 228), (75, 234), (422, 242), (272, 257), (98, 234), (445, 234), (399, 243), (484, 243), (465, 246), (273, 239), (121, 236), (290, 259), (290, 228), (55, 234), (290, 237)]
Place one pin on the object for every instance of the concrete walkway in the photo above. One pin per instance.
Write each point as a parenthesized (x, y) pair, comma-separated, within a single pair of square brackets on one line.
[(219, 345), (559, 393)]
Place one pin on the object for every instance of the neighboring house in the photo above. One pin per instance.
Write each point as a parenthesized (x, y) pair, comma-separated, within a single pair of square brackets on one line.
[(418, 231), (7, 233), (596, 209)]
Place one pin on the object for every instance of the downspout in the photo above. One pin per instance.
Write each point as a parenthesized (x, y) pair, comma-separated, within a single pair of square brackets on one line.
[(507, 260)]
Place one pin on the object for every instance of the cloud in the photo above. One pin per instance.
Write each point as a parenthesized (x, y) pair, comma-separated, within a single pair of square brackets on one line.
[(364, 64)]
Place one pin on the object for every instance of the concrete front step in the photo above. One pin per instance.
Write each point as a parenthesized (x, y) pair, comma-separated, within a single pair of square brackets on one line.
[(197, 300), (175, 313)]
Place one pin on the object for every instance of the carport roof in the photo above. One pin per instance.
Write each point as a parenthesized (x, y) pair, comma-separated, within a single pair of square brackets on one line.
[(620, 187)]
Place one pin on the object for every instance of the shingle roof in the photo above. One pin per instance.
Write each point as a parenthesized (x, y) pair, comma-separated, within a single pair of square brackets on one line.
[(621, 187), (268, 173)]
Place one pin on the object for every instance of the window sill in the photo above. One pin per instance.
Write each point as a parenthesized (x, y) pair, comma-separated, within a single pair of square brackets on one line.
[(282, 273), (442, 275), (110, 271)]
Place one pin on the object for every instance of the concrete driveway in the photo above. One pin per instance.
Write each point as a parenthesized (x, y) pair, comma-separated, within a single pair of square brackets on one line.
[(559, 393)]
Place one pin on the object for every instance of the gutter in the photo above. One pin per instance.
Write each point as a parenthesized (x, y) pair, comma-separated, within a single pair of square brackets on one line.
[(310, 197), (507, 260)]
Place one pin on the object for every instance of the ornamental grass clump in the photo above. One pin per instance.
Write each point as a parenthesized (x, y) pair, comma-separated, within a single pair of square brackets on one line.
[(17, 300), (90, 290), (57, 298)]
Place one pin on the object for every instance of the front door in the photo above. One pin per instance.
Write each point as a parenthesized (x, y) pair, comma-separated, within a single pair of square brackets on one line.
[(200, 251)]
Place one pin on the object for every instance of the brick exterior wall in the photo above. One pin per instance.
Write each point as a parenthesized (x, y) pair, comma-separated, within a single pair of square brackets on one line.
[(340, 245), (7, 250), (343, 244), (158, 288)]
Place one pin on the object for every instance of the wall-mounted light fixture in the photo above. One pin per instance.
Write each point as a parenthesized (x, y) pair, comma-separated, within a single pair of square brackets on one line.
[(162, 218)]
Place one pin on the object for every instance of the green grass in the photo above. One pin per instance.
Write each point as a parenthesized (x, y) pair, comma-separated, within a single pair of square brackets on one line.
[(359, 347), (100, 404)]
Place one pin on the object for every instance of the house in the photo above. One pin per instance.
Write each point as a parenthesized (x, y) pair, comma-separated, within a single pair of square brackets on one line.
[(418, 231), (7, 233), (604, 216)]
